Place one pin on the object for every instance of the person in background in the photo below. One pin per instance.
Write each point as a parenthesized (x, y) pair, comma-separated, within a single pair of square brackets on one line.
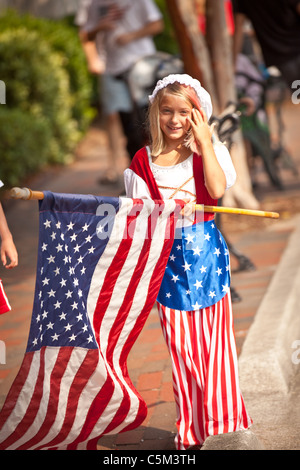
[(115, 34), (9, 255), (277, 28)]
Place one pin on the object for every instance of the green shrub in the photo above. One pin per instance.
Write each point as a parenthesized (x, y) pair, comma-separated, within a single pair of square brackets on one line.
[(166, 41), (62, 38), (48, 94), (26, 145), (37, 84)]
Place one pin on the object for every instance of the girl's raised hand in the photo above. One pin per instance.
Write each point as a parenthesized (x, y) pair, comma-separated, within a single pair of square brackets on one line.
[(200, 127)]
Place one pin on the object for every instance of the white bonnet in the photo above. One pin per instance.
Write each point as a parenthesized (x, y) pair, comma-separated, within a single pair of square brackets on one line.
[(184, 79)]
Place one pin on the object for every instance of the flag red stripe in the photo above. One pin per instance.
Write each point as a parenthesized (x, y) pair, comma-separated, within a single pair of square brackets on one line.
[(85, 371), (215, 375), (112, 274), (33, 407), (57, 373), (15, 391), (122, 412), (96, 409), (141, 414), (224, 384)]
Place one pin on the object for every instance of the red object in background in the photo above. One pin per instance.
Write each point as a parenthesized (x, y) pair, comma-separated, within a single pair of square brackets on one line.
[(202, 23), (228, 15), (4, 304)]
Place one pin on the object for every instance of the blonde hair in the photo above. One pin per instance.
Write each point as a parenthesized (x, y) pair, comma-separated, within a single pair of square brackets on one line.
[(156, 135)]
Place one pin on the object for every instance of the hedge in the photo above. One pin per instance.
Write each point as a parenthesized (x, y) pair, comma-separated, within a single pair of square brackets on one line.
[(25, 145), (37, 85), (62, 38), (48, 95)]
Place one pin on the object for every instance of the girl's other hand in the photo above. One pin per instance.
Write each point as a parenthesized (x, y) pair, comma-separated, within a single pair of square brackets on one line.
[(9, 254), (187, 210)]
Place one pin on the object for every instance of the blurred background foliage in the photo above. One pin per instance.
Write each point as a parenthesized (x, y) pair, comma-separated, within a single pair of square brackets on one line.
[(166, 41)]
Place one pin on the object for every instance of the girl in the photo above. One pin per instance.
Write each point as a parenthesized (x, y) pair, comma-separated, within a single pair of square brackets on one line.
[(194, 299)]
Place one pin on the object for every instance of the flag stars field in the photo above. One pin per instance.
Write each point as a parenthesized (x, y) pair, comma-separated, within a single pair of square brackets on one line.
[(196, 260), (63, 278)]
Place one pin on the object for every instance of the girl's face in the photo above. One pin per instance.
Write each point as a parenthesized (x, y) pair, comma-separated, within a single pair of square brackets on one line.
[(173, 116)]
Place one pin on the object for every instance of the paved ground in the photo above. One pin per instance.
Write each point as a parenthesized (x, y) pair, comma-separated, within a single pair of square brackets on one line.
[(263, 241)]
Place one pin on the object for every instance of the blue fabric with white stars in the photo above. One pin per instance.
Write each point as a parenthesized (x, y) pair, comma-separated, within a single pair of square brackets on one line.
[(198, 270)]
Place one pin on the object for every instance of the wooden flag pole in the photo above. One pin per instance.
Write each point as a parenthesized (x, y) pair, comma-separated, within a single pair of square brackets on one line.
[(236, 210), (28, 194)]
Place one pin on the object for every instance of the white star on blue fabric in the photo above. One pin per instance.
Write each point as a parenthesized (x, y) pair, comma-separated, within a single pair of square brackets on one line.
[(198, 270)]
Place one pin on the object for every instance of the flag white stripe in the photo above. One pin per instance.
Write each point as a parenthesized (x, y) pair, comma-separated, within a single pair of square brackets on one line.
[(19, 411), (89, 393), (219, 372), (49, 362), (229, 378), (77, 357), (28, 390), (104, 262)]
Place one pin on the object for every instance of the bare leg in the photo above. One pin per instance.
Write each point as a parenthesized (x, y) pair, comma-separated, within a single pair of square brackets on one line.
[(117, 143)]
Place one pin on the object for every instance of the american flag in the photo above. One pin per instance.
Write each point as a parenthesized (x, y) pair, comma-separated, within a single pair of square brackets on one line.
[(100, 266)]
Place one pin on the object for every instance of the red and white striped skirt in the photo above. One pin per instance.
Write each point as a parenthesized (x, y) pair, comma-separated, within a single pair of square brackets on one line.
[(4, 304), (205, 372)]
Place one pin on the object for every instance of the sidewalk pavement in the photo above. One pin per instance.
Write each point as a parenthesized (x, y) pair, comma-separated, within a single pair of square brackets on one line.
[(265, 320)]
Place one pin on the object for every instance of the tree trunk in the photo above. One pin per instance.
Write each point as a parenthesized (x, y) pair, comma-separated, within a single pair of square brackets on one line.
[(220, 47), (192, 44), (219, 44)]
